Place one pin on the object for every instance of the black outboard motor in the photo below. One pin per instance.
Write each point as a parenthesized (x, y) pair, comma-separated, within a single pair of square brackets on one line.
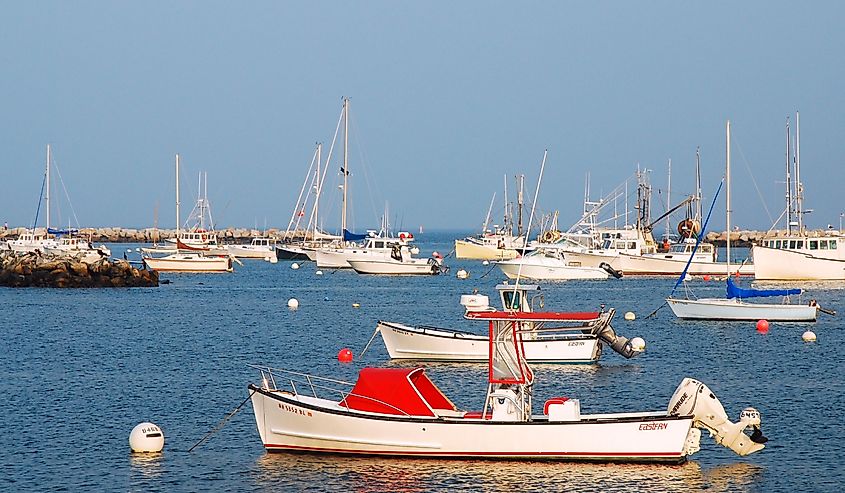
[(610, 270)]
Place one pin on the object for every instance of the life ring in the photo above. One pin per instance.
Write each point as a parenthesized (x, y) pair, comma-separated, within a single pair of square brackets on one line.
[(548, 236)]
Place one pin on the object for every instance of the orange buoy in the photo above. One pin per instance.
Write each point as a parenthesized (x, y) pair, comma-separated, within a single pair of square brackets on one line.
[(345, 355), (706, 277)]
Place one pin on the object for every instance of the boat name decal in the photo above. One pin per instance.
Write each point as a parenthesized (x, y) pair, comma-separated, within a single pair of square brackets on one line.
[(653, 426), (295, 410), (577, 343)]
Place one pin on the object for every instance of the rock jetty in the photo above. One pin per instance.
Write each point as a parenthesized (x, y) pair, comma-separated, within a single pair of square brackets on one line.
[(38, 270), (153, 235)]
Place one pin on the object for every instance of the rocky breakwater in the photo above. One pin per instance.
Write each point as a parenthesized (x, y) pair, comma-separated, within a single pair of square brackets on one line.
[(154, 235), (37, 270)]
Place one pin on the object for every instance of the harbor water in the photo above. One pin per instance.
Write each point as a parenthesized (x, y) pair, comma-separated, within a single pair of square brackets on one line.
[(80, 368)]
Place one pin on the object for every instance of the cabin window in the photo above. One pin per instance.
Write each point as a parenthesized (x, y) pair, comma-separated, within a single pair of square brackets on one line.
[(814, 244), (632, 245), (833, 244), (511, 300), (792, 244), (800, 244), (777, 243), (823, 244)]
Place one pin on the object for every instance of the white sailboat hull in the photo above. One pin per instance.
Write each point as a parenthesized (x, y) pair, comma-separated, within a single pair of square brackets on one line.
[(733, 309), (771, 264), (655, 265), (430, 344), (547, 269), (288, 422), (394, 267), (189, 262)]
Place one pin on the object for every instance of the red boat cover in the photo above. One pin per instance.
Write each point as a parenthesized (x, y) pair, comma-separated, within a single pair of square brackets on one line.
[(396, 391), (533, 316)]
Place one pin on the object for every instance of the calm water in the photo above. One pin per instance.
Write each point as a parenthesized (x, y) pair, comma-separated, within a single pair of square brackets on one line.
[(81, 368)]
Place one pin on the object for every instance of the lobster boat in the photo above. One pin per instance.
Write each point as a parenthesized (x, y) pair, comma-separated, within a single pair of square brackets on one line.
[(401, 412)]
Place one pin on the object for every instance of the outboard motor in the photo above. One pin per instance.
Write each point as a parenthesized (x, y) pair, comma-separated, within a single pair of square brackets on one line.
[(694, 398), (610, 270), (622, 345)]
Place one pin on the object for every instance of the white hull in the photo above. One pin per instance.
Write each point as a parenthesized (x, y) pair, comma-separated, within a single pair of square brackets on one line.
[(394, 267), (288, 422), (249, 251), (339, 258), (430, 344), (179, 262), (548, 269), (654, 265), (732, 309), (474, 251), (772, 264)]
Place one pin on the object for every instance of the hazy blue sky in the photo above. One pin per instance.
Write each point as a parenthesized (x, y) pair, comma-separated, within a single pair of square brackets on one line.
[(447, 97)]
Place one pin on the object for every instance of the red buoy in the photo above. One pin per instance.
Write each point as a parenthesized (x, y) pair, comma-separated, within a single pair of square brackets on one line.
[(345, 355), (762, 326), (706, 277)]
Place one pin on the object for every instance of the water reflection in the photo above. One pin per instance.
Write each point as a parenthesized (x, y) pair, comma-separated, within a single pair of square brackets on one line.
[(146, 466), (281, 471)]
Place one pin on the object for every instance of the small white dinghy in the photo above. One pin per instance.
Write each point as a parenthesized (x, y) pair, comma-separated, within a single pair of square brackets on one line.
[(569, 337), (401, 412)]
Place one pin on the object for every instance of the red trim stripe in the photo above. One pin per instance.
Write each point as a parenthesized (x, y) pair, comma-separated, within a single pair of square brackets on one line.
[(270, 446)]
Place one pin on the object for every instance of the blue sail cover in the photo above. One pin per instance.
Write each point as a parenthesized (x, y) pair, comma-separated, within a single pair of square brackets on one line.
[(347, 236), (53, 231), (736, 292)]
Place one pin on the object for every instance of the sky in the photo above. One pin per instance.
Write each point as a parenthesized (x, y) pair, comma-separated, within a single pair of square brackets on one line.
[(446, 99)]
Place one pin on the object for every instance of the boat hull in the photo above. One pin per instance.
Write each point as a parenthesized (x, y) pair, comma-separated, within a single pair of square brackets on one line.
[(549, 271), (288, 422), (771, 264), (474, 251), (430, 344), (291, 252), (189, 263), (732, 309), (393, 267), (247, 251), (655, 265)]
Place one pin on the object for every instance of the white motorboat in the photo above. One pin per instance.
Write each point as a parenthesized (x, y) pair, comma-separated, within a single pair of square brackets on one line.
[(549, 263), (392, 266), (260, 248), (373, 248), (70, 245), (735, 307), (32, 241), (401, 412), (575, 337)]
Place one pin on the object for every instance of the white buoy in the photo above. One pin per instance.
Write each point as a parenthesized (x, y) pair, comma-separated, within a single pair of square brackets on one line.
[(319, 273), (638, 344), (356, 305), (809, 336), (293, 303), (687, 278), (146, 437), (485, 263), (630, 316), (272, 259), (462, 274), (294, 266)]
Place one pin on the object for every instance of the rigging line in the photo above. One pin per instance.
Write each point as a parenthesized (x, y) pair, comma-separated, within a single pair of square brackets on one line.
[(365, 168), (40, 198), (67, 196), (748, 167), (222, 423), (698, 239)]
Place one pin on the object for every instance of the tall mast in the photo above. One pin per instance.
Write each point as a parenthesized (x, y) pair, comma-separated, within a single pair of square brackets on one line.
[(319, 187), (788, 183), (799, 189), (177, 196), (505, 226), (668, 197), (487, 219), (345, 163), (521, 179), (728, 194), (47, 196), (698, 184)]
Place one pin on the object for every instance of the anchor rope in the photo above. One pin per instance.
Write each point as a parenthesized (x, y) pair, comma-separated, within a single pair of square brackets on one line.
[(222, 423)]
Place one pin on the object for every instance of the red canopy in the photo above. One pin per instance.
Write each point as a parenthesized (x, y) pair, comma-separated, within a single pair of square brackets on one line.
[(396, 391)]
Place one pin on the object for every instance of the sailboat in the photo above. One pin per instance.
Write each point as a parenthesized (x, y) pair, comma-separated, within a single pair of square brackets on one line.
[(734, 306), (499, 243), (33, 239), (185, 258)]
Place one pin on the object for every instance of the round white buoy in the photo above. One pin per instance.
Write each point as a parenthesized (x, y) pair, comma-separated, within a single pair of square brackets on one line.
[(319, 273), (293, 303), (630, 316), (273, 259), (809, 336), (146, 437), (687, 278), (294, 266), (462, 274), (638, 344), (356, 305), (486, 262)]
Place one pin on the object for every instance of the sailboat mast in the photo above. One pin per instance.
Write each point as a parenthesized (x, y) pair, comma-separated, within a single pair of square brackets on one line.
[(728, 194), (519, 200), (177, 196), (345, 163), (788, 183), (698, 184), (319, 187), (47, 195), (799, 189), (487, 219), (506, 225), (668, 197)]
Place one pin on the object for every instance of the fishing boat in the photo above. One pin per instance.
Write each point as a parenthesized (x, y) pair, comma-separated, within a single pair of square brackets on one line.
[(401, 412), (796, 254), (498, 243), (734, 306), (574, 337), (400, 262), (549, 263), (185, 258), (261, 248)]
